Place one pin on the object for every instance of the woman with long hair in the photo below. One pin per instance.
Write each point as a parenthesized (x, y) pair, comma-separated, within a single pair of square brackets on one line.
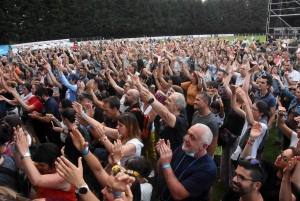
[(127, 131)]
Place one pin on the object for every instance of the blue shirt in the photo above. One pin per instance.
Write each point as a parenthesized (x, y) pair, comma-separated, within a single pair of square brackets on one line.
[(72, 88), (268, 98)]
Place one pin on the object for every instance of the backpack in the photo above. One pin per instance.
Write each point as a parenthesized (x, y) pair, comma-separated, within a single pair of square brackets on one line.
[(23, 183), (145, 125)]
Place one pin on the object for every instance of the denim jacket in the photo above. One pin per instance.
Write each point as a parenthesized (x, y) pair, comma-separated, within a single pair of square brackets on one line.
[(293, 103)]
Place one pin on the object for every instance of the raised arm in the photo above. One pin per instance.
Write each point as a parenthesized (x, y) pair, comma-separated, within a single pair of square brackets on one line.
[(114, 84), (53, 181), (160, 109)]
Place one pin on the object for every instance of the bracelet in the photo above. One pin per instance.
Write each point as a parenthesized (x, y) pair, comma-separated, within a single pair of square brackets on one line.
[(117, 195), (83, 115), (21, 102), (85, 152), (103, 139), (166, 166), (249, 142), (88, 126), (251, 139), (50, 73)]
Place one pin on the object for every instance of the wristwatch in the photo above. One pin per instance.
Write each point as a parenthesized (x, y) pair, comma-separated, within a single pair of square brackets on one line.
[(150, 101), (27, 154), (82, 190)]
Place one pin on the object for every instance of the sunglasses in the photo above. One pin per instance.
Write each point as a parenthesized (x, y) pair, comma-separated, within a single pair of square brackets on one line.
[(294, 89)]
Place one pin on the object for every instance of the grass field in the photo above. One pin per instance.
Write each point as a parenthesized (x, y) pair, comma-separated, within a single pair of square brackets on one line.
[(261, 38)]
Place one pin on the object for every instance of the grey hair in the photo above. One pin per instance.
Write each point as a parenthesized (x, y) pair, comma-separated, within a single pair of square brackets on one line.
[(180, 101), (207, 136)]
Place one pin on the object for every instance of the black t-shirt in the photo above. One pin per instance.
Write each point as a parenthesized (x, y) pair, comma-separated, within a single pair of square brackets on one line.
[(62, 92), (174, 135), (70, 150), (111, 124), (98, 114)]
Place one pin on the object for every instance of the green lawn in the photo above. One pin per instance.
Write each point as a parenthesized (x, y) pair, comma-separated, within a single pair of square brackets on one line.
[(270, 153), (261, 38)]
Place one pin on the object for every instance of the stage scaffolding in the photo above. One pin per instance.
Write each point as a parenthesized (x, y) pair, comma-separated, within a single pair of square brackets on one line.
[(283, 19)]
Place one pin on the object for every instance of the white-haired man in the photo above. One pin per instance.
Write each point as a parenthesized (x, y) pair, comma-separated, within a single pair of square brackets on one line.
[(189, 171), (173, 123)]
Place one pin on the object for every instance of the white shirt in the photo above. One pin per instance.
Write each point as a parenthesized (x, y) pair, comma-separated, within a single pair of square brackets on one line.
[(146, 191), (294, 139), (294, 76), (138, 148)]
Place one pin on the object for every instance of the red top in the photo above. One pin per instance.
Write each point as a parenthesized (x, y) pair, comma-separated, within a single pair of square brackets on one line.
[(37, 104), (57, 193)]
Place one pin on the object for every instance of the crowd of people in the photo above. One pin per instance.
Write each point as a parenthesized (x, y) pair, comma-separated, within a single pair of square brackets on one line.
[(98, 119)]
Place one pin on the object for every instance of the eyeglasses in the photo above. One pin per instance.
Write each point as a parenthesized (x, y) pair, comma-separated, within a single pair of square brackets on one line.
[(240, 178), (254, 161), (252, 108), (293, 89), (283, 157)]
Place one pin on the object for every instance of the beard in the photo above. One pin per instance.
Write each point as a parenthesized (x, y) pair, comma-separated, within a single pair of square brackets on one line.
[(242, 190), (127, 103)]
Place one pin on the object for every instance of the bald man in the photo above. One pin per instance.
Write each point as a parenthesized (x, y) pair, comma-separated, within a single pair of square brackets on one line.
[(132, 97)]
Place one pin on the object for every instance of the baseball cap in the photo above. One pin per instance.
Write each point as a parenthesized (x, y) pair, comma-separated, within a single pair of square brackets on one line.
[(73, 76)]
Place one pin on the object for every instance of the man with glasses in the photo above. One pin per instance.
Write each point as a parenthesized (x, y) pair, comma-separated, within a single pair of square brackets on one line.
[(247, 181)]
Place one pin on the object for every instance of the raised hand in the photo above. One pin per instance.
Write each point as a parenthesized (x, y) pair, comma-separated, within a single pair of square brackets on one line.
[(275, 76), (90, 86), (90, 111), (21, 140), (78, 108), (70, 172), (290, 166), (165, 154), (256, 130), (135, 79), (281, 110), (78, 140), (146, 95), (117, 151), (121, 181), (99, 131)]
